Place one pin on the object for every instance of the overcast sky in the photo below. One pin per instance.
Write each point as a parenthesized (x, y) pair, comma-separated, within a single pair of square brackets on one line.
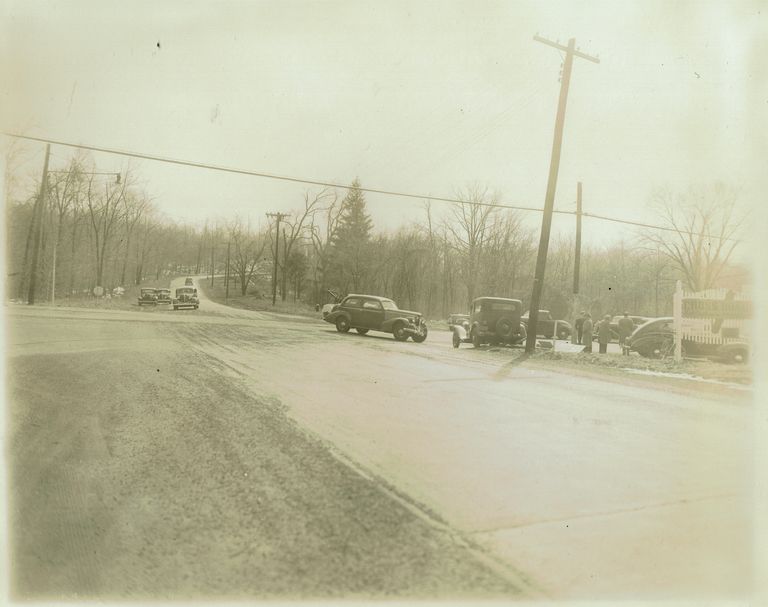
[(423, 97)]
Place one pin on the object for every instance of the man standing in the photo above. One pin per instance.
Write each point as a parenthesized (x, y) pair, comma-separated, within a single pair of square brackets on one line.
[(586, 332), (604, 333), (625, 330), (578, 325)]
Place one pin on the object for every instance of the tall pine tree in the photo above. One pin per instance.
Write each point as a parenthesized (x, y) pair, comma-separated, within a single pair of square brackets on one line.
[(350, 255)]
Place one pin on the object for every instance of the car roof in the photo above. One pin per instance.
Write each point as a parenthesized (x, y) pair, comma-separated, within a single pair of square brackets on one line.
[(377, 297), (496, 299)]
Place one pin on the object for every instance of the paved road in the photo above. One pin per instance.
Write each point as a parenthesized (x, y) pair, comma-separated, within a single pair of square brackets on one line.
[(222, 452)]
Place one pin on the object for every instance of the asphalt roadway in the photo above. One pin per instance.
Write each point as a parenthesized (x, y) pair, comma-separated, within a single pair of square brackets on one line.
[(223, 453)]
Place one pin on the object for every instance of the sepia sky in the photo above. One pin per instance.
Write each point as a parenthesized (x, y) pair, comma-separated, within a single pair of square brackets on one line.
[(421, 97)]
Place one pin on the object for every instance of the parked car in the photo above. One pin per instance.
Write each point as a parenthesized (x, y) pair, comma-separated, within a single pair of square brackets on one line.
[(614, 325), (373, 313), (492, 320), (656, 339), (186, 297), (189, 282), (545, 325), (164, 296), (457, 319), (147, 296)]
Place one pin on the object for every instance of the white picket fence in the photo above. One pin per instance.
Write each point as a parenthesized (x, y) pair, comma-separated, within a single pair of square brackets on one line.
[(714, 316)]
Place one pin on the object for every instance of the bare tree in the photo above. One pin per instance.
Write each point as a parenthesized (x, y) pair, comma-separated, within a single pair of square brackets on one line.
[(247, 249), (704, 227), (295, 229), (470, 230), (104, 211)]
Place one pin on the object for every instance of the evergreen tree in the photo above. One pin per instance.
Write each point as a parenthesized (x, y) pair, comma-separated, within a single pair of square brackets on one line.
[(350, 255)]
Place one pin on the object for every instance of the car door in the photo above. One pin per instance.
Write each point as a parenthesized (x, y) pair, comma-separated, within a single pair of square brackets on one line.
[(352, 306), (372, 314)]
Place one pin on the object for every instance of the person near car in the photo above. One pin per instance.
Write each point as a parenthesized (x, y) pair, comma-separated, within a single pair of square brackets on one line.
[(586, 332), (577, 326), (625, 330), (604, 333)]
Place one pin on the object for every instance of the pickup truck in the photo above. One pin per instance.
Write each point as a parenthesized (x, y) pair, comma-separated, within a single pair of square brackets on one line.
[(545, 326)]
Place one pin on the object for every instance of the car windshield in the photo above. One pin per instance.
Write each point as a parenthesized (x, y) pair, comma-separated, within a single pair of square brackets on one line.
[(147, 291), (388, 304)]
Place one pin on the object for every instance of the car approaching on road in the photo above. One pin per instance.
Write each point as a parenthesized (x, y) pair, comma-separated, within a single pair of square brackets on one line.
[(545, 325), (492, 320), (148, 296), (186, 297), (164, 296), (189, 282), (373, 313)]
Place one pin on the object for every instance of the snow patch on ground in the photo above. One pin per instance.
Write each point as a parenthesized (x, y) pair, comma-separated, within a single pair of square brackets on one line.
[(687, 376)]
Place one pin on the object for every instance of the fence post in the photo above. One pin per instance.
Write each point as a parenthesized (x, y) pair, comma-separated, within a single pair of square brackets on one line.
[(677, 310)]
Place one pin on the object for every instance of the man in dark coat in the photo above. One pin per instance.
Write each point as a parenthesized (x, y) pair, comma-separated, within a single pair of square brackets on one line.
[(577, 326), (604, 333), (586, 332), (626, 326)]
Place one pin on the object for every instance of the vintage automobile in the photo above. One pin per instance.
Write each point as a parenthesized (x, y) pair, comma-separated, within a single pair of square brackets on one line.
[(186, 297), (492, 320), (164, 296), (457, 319), (614, 325), (545, 325), (656, 339), (373, 313), (148, 296), (189, 282)]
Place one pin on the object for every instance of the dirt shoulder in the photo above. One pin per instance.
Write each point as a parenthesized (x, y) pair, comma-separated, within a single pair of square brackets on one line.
[(686, 375)]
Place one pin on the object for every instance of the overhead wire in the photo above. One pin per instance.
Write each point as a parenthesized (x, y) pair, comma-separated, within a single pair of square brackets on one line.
[(329, 184)]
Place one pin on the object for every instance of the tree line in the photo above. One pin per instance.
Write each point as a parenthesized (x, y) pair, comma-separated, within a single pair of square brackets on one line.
[(101, 230)]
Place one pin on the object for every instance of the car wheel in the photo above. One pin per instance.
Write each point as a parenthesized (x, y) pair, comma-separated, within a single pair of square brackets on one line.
[(361, 331), (504, 328), (476, 341), (737, 356), (419, 338), (456, 340), (399, 332), (342, 324)]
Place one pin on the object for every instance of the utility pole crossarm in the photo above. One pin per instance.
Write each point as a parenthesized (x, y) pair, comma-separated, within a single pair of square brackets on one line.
[(565, 49)]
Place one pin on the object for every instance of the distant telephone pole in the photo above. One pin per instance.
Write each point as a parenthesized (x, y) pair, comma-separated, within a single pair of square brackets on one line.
[(226, 276), (37, 220), (278, 217), (577, 254), (549, 201)]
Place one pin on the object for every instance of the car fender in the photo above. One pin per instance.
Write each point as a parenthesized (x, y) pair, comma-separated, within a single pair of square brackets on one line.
[(334, 316), (390, 322)]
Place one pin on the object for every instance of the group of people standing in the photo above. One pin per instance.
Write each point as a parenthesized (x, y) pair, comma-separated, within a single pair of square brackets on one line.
[(584, 330)]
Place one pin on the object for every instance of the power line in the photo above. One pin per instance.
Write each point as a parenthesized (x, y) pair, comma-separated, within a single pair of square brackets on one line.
[(328, 184)]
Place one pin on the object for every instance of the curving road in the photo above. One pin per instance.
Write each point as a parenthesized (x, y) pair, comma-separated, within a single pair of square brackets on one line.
[(229, 453)]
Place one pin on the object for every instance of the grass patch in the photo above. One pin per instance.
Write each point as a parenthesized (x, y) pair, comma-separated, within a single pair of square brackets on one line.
[(258, 299)]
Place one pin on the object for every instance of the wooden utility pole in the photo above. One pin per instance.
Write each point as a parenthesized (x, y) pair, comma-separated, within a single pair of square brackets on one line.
[(549, 202), (226, 276), (577, 254), (37, 219), (212, 249), (278, 217)]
